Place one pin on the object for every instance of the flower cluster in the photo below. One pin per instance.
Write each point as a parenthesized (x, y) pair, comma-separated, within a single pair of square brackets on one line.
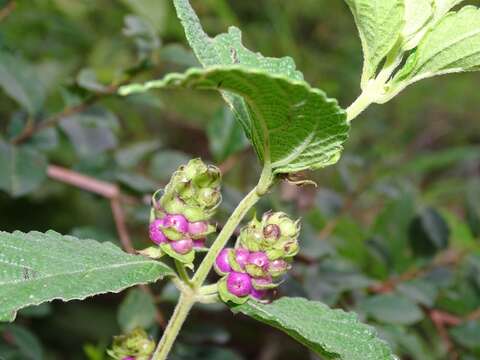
[(262, 256), (134, 346), (179, 220)]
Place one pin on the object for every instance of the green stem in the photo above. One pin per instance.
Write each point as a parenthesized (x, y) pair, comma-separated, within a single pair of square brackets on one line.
[(180, 313), (224, 236), (358, 106), (190, 295), (183, 272)]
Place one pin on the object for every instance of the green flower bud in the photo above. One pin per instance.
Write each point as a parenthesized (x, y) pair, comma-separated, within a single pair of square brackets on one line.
[(255, 271), (136, 344), (193, 191)]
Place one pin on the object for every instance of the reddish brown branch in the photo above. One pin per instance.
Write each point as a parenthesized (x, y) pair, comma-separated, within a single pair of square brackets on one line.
[(7, 10), (112, 192)]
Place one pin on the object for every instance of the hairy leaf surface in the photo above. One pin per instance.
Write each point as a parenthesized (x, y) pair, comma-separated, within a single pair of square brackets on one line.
[(38, 267), (296, 125), (379, 24), (266, 133), (333, 334), (451, 46)]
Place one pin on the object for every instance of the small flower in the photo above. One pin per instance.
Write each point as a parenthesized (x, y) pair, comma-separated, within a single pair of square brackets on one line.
[(259, 259), (239, 284), (156, 234), (264, 253), (183, 246), (241, 256), (222, 265), (258, 294)]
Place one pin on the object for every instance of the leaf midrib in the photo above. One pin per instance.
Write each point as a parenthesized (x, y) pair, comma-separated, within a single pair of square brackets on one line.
[(94, 269)]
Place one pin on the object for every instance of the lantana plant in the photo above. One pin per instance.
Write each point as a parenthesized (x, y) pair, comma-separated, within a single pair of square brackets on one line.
[(293, 127)]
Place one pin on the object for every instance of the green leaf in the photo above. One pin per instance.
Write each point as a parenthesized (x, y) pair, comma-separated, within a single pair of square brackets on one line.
[(467, 334), (91, 132), (132, 155), (392, 309), (19, 80), (136, 310), (451, 46), (23, 169), (333, 334), (379, 24), (288, 125), (39, 267), (429, 233), (443, 6), (418, 13), (298, 126), (225, 135)]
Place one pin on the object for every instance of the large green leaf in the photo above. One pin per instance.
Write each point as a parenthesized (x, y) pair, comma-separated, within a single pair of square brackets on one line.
[(297, 126), (333, 334), (38, 267), (227, 49), (22, 169), (452, 45), (379, 23)]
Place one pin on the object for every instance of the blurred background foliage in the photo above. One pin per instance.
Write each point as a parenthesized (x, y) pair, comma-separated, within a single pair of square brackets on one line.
[(392, 231)]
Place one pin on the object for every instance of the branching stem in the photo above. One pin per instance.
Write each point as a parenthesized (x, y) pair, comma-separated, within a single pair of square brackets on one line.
[(207, 294)]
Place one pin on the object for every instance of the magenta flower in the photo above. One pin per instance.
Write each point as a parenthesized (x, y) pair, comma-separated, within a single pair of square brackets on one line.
[(156, 234), (239, 284), (182, 246)]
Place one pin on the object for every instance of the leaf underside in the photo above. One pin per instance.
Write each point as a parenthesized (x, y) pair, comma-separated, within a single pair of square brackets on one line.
[(299, 126), (379, 24), (227, 50), (452, 45), (332, 334), (38, 267)]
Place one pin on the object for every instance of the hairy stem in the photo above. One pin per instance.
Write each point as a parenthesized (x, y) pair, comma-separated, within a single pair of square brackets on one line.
[(190, 295), (245, 205), (184, 305)]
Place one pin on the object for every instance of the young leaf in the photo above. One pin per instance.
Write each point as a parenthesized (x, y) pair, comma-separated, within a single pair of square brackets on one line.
[(417, 15), (39, 267), (451, 46), (22, 169), (295, 126), (379, 24), (444, 6), (333, 334)]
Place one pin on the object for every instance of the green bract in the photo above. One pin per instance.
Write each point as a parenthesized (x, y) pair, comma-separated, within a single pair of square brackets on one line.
[(193, 191), (136, 344)]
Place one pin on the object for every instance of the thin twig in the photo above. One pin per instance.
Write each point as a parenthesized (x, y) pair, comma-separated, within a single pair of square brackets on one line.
[(7, 10), (111, 192), (120, 223)]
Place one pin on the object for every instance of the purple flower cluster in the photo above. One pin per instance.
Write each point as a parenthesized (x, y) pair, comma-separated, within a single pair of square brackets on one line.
[(249, 273), (179, 233), (263, 255)]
